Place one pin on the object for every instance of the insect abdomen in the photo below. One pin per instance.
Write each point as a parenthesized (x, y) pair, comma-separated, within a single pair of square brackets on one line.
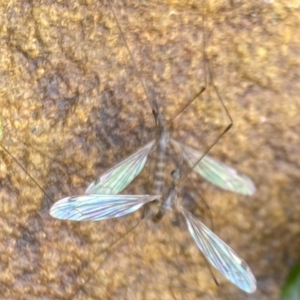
[(159, 173)]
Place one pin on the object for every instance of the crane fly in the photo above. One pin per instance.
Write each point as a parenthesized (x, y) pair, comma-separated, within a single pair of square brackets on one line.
[(102, 200), (118, 182), (95, 207)]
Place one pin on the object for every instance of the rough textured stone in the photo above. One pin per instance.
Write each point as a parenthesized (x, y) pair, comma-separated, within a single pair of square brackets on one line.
[(72, 106)]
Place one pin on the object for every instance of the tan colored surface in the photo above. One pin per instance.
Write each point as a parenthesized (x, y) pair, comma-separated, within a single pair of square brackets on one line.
[(69, 90)]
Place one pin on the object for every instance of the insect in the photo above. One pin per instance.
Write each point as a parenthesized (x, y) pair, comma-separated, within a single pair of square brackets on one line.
[(95, 207), (103, 202), (57, 140)]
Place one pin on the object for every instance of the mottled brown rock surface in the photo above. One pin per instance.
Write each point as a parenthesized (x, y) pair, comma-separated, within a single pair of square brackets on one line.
[(72, 106)]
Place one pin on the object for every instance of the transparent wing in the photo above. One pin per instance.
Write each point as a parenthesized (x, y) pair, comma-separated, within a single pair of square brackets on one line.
[(98, 207), (117, 178), (216, 172), (220, 255)]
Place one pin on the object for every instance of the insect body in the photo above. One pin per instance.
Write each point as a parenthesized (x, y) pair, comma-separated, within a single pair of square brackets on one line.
[(117, 178), (102, 200)]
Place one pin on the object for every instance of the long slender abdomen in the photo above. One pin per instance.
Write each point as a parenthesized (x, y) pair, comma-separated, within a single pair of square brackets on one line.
[(159, 172), (160, 162)]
